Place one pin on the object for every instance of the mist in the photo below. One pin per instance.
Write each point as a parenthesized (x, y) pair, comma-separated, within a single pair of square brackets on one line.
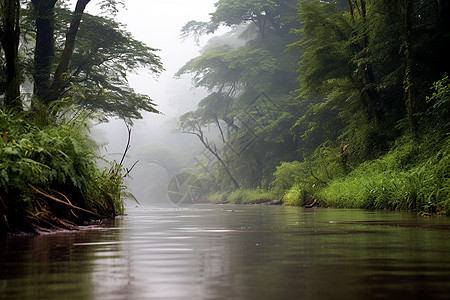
[(155, 145)]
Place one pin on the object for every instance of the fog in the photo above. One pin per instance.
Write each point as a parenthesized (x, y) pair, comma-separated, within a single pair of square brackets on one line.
[(160, 151)]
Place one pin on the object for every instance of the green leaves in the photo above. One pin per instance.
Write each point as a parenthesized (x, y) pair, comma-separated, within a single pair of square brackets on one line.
[(61, 158), (250, 77), (440, 98), (270, 17), (103, 56), (96, 77), (43, 156)]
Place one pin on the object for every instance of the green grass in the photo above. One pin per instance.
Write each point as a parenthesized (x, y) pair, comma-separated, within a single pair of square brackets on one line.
[(242, 196), (413, 176), (295, 196)]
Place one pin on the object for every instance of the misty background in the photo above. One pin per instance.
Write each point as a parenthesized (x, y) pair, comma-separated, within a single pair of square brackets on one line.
[(160, 151)]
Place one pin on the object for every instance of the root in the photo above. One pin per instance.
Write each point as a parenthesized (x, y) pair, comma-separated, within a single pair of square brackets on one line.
[(50, 197), (51, 213)]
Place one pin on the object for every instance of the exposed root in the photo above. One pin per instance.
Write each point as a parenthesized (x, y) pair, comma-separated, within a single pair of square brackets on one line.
[(50, 197), (51, 213), (4, 218)]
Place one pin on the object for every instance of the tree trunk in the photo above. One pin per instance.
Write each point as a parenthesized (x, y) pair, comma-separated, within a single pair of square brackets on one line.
[(44, 51), (370, 96), (214, 152), (10, 45), (409, 70), (443, 13), (60, 78)]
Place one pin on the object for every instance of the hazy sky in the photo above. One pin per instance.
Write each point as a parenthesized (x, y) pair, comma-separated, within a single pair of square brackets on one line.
[(158, 24)]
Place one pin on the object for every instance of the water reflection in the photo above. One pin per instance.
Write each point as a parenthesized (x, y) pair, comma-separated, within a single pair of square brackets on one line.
[(235, 252)]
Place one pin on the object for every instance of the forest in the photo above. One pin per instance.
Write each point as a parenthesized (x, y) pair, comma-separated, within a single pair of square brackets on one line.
[(331, 103), (62, 69)]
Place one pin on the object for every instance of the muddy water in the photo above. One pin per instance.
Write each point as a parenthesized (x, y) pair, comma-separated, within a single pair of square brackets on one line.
[(235, 252)]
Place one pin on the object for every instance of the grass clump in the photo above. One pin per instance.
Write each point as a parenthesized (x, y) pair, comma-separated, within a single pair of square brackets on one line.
[(295, 196), (248, 196), (412, 176), (242, 196)]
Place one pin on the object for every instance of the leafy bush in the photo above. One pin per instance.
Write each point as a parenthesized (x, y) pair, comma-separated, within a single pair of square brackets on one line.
[(286, 176), (295, 196), (56, 159)]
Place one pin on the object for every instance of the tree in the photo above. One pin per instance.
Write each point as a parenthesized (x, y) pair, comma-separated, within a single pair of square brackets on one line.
[(45, 46), (267, 16), (85, 63), (105, 54), (9, 35), (250, 77), (238, 75), (349, 74), (60, 78), (190, 123)]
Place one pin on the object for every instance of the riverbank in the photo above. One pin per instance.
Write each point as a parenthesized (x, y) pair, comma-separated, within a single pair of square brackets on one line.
[(413, 176), (49, 178)]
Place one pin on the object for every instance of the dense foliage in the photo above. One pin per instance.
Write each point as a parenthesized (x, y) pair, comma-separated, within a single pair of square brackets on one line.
[(59, 70), (82, 58), (341, 102), (40, 164)]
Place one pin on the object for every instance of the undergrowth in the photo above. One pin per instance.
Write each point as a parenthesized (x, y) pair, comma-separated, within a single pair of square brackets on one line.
[(414, 175), (410, 177), (40, 164), (242, 196)]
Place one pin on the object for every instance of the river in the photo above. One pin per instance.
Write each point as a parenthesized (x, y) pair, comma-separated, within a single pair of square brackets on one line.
[(235, 252)]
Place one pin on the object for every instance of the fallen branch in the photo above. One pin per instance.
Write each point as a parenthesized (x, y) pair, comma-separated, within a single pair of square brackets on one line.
[(39, 191), (67, 199)]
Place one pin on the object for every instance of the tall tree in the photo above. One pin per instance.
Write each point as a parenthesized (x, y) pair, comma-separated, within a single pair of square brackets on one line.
[(9, 35), (59, 78), (250, 78), (46, 89), (45, 46), (85, 63)]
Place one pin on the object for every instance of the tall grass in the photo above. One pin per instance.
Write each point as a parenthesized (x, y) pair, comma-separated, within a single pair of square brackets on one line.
[(409, 177), (243, 196), (295, 196)]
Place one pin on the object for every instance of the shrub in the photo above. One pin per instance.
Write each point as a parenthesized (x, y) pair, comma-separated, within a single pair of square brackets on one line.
[(295, 196), (40, 164)]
